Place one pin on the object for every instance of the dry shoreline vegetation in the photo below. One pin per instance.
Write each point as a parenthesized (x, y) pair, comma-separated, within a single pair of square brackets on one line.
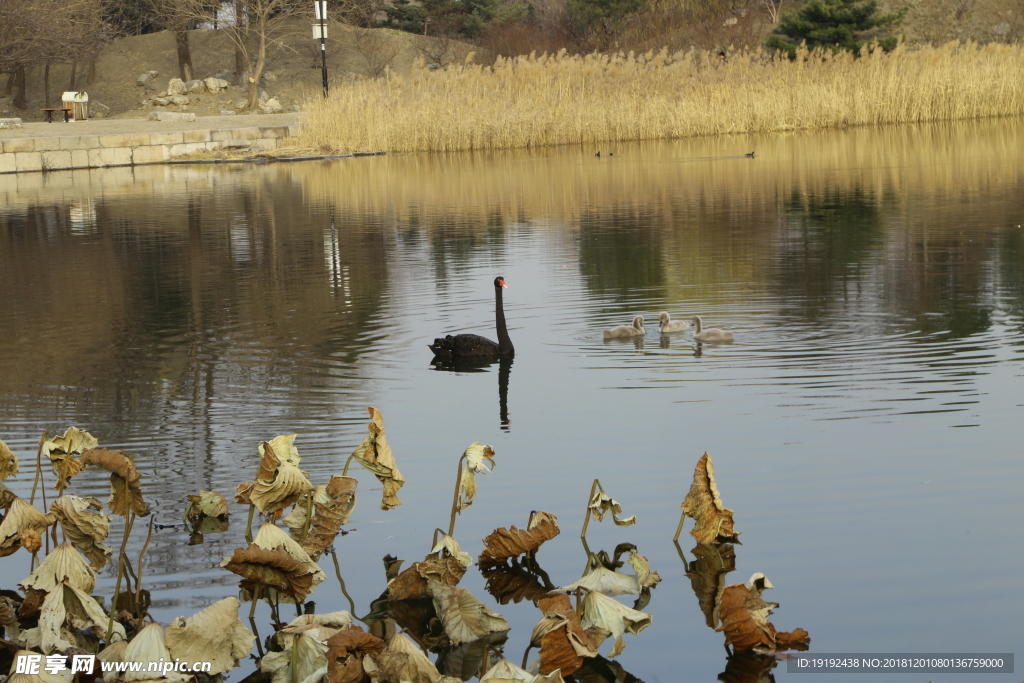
[(571, 99), (55, 613)]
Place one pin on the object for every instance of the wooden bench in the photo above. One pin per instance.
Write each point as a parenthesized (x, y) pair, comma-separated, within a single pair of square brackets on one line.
[(49, 113)]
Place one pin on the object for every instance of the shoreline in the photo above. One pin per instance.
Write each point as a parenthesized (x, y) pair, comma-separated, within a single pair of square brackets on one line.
[(102, 143)]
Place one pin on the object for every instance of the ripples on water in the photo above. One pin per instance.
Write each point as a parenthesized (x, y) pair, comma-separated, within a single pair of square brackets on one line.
[(874, 279)]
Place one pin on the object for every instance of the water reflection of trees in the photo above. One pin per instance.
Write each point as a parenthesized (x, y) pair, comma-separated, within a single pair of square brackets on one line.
[(181, 289)]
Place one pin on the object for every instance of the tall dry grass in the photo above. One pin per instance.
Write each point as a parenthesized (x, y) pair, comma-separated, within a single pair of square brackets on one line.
[(563, 99)]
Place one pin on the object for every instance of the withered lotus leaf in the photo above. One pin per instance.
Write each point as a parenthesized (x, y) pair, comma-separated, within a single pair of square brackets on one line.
[(374, 454), (150, 646), (207, 504), (744, 614), (214, 635), (507, 672), (564, 645), (446, 563), (85, 525), (463, 617), (8, 462), (448, 546), (306, 649), (333, 504), (604, 580), (477, 458), (402, 661), (601, 504), (642, 566), (31, 540), (125, 487), (279, 482), (502, 544), (21, 517), (63, 564), (704, 504), (612, 616), (274, 560), (67, 612), (61, 449), (346, 651)]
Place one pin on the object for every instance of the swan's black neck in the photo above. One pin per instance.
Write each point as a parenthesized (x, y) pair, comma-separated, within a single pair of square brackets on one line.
[(505, 347)]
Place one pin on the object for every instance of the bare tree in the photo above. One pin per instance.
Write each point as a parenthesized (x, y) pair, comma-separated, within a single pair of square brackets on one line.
[(30, 30), (376, 48), (258, 25)]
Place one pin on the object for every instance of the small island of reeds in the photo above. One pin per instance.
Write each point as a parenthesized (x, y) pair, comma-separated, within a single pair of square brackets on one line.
[(558, 99)]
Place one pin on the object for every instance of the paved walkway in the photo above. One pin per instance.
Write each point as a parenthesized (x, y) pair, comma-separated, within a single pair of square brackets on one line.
[(59, 129)]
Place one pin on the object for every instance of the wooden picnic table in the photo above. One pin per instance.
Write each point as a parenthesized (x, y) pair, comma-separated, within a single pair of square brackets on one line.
[(49, 113)]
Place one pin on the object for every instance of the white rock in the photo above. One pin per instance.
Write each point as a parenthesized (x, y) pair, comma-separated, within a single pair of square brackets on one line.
[(176, 86), (271, 106), (179, 100), (215, 84), (161, 101), (10, 123), (196, 87)]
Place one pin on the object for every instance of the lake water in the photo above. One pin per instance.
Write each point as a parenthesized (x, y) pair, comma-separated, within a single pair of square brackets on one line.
[(865, 426)]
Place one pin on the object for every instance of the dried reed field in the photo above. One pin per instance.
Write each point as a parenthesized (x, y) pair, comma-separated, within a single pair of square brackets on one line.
[(563, 99)]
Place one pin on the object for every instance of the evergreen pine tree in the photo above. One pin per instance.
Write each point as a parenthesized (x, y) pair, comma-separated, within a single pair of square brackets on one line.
[(834, 25)]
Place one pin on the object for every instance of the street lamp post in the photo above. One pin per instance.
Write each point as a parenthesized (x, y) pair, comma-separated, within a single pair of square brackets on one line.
[(320, 31)]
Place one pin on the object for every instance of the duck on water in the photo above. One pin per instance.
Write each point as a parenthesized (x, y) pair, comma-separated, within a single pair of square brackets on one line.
[(473, 345)]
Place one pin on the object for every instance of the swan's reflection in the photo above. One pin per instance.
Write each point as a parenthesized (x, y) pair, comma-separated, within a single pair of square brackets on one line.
[(483, 364), (637, 341)]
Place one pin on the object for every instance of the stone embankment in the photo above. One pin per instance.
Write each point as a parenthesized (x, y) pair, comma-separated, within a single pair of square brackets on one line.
[(129, 142)]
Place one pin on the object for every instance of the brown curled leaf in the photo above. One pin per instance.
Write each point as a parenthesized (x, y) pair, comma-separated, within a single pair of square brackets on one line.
[(704, 504), (279, 481), (274, 560), (207, 504), (125, 486), (61, 449), (374, 454), (23, 522), (564, 645), (85, 525), (345, 652), (8, 462), (411, 584), (744, 614), (333, 504), (502, 544)]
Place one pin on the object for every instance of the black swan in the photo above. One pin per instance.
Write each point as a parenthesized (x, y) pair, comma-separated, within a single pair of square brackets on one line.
[(465, 345)]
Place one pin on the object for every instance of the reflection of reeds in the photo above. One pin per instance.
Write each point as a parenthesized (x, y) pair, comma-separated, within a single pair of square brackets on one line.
[(537, 101)]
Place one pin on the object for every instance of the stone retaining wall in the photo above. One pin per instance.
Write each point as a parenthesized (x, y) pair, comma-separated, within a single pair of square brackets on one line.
[(20, 155)]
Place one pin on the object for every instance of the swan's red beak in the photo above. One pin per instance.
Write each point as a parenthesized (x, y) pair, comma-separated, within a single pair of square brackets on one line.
[(504, 286)]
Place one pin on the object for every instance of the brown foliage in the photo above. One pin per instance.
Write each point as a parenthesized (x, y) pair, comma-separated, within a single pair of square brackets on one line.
[(704, 504), (273, 568), (561, 647), (411, 584), (345, 652), (744, 615), (502, 544), (125, 489)]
